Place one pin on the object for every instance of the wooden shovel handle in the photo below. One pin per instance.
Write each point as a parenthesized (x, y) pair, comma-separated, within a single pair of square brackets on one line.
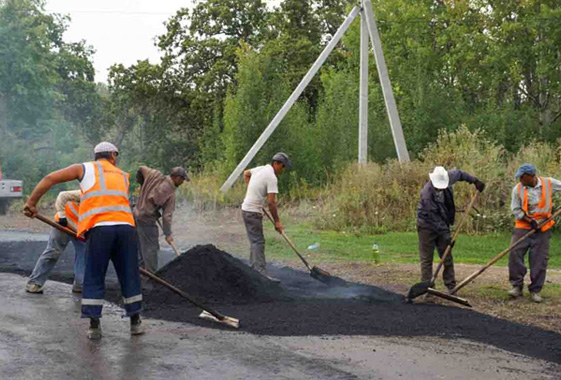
[(454, 236), (172, 244), (53, 224), (471, 277), (290, 243)]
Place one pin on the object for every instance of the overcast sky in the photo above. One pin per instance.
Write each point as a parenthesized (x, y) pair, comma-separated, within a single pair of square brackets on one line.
[(121, 31)]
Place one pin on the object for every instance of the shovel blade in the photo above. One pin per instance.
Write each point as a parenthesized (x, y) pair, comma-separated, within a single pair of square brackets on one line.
[(325, 277), (418, 289)]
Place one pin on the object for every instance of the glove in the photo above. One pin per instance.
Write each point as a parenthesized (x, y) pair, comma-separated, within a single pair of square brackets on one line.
[(480, 186), (534, 225), (63, 222), (452, 244)]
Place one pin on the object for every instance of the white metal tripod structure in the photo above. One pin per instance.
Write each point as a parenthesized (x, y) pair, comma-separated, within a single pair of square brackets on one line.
[(368, 26)]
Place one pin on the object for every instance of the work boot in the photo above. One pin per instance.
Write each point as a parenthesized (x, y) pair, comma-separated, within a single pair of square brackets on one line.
[(536, 297), (515, 291), (94, 331), (76, 287), (137, 328), (34, 288)]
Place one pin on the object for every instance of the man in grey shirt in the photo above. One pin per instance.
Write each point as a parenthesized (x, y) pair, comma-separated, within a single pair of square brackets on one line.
[(531, 205), (262, 185), (435, 214)]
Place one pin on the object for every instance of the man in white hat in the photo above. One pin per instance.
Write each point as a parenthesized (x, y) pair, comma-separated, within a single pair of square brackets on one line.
[(435, 214), (107, 224)]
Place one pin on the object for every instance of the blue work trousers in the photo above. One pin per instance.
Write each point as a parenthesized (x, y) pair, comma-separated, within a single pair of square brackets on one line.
[(55, 246), (118, 244)]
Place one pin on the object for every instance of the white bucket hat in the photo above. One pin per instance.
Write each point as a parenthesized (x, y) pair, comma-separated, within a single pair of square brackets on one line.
[(439, 178)]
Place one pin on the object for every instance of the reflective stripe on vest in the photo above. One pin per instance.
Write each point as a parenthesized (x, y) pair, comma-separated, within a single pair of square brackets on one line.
[(72, 214), (107, 200), (543, 208)]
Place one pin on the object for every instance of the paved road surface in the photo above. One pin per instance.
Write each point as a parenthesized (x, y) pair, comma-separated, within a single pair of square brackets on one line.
[(42, 337)]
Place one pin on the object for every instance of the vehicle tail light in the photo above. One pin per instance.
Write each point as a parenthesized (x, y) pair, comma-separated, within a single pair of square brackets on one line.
[(16, 189)]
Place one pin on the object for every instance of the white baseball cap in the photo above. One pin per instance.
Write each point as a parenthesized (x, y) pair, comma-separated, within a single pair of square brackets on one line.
[(439, 178), (105, 147)]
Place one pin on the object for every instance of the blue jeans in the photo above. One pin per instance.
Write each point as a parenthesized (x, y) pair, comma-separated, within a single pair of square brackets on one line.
[(120, 245), (55, 246)]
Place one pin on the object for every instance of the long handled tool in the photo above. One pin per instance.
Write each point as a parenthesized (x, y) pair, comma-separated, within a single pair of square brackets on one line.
[(476, 274), (208, 312), (423, 287), (171, 243), (315, 272), (470, 278)]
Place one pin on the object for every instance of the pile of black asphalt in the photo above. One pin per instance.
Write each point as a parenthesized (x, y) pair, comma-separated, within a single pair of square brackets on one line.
[(299, 305), (302, 306)]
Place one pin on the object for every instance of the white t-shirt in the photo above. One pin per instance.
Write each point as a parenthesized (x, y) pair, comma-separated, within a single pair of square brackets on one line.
[(87, 182), (263, 181)]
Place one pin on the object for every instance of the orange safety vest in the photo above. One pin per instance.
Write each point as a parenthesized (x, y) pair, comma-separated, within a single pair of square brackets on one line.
[(543, 210), (72, 214), (107, 200)]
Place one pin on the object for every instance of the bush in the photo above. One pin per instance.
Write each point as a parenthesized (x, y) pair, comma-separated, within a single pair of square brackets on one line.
[(379, 198)]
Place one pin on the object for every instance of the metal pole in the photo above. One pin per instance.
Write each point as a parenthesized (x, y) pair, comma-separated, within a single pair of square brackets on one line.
[(363, 97), (391, 107), (290, 102)]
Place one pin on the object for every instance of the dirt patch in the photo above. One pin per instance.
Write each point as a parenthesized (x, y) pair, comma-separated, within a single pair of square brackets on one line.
[(302, 306)]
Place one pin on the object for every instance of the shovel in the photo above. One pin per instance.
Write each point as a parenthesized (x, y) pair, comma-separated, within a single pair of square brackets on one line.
[(476, 274), (315, 272), (423, 287), (208, 312)]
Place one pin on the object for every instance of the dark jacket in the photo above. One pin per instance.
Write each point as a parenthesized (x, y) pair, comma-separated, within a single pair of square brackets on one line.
[(437, 210)]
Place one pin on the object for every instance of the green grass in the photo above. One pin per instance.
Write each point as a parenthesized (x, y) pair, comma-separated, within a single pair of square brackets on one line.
[(397, 247)]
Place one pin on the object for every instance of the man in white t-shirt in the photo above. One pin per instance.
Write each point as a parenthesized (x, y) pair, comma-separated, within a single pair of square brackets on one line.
[(262, 185)]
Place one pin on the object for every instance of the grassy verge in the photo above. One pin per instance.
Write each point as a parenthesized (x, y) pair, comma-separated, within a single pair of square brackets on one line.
[(399, 247)]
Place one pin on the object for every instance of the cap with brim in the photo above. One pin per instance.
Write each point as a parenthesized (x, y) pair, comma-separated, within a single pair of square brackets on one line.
[(105, 147), (439, 178), (283, 157), (178, 171), (525, 169)]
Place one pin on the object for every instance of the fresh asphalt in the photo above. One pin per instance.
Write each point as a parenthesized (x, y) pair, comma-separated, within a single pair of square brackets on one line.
[(43, 337)]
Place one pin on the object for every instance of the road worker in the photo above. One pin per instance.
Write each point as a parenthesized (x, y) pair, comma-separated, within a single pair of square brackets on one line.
[(107, 223), (531, 205), (156, 199), (435, 214), (262, 185), (66, 205)]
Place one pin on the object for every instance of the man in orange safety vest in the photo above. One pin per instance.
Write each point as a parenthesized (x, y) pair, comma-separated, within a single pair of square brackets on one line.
[(531, 205), (107, 223)]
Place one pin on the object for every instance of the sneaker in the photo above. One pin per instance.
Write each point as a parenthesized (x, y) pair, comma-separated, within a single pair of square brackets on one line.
[(536, 297), (137, 328), (515, 291), (76, 288), (34, 288)]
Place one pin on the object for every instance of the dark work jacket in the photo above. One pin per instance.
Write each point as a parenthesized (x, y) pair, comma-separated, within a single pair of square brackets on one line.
[(438, 211)]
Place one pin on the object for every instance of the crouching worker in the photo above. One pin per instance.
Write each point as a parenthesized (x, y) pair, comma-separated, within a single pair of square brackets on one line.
[(107, 223), (531, 205), (66, 205), (435, 214)]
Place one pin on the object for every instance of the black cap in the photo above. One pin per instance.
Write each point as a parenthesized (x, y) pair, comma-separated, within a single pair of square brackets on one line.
[(283, 157), (178, 171)]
